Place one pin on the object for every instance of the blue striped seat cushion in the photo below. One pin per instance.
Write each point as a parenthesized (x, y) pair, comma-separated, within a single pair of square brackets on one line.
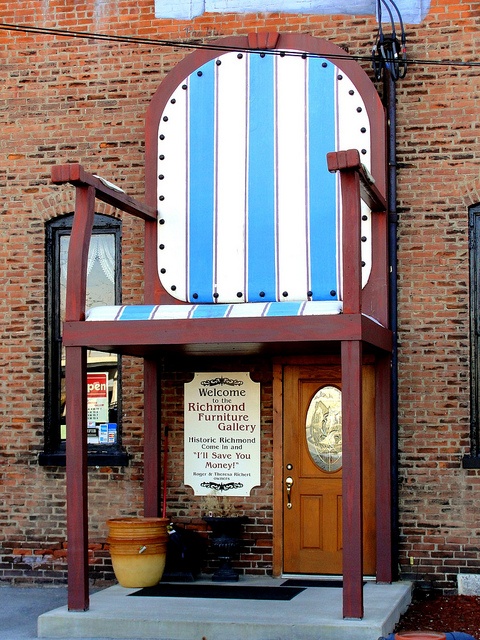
[(192, 311)]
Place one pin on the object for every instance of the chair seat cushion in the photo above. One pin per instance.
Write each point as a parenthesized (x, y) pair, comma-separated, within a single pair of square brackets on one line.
[(192, 311)]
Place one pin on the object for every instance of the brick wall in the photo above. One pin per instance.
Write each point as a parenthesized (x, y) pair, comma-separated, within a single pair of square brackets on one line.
[(71, 99), (438, 150)]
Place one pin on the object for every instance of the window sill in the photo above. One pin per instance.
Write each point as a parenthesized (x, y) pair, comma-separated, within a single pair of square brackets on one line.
[(95, 458)]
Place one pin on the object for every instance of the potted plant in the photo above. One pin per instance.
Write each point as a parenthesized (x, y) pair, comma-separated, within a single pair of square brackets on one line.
[(227, 528), (138, 548)]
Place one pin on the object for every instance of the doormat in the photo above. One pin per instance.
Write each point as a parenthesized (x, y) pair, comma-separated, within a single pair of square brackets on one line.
[(218, 591), (299, 582)]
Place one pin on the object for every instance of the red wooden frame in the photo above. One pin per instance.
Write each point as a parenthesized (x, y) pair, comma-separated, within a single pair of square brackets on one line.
[(351, 332)]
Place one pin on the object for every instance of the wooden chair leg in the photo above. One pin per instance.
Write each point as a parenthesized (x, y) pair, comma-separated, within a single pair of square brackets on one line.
[(352, 479), (77, 481)]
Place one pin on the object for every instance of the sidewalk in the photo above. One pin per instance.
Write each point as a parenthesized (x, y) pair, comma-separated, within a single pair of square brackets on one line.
[(21, 606)]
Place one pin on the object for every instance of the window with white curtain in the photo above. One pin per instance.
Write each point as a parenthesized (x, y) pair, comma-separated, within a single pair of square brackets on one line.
[(103, 288)]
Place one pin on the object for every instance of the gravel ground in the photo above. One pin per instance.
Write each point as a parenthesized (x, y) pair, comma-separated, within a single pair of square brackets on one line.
[(443, 613)]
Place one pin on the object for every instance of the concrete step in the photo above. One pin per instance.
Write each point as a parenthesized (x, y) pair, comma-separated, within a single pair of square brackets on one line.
[(314, 614)]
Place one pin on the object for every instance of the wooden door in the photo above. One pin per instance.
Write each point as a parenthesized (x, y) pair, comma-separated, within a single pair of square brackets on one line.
[(312, 468)]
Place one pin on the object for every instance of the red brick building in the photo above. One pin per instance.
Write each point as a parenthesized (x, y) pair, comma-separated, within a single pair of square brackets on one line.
[(71, 98)]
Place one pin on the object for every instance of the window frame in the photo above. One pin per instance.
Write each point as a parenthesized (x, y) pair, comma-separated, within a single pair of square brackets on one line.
[(472, 460), (54, 452)]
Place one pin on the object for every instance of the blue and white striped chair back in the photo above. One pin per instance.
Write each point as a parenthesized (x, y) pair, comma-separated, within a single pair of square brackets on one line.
[(248, 211)]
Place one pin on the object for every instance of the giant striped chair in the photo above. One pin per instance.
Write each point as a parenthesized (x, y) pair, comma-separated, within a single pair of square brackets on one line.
[(265, 232)]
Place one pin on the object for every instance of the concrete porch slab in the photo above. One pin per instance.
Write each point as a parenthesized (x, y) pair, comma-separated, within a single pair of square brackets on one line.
[(314, 614)]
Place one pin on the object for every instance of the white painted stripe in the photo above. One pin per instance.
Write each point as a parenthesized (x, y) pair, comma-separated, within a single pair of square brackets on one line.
[(250, 310), (172, 312), (291, 178), (321, 308), (102, 313), (230, 178), (173, 189), (353, 117)]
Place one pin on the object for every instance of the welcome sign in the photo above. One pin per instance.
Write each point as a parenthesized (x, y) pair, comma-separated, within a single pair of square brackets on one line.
[(222, 434)]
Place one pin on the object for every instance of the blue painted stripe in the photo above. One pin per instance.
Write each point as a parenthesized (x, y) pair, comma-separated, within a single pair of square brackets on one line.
[(210, 311), (322, 192), (201, 188), (261, 186), (284, 309), (137, 312)]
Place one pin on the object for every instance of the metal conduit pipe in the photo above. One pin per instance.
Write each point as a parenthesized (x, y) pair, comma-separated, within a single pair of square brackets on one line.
[(390, 97)]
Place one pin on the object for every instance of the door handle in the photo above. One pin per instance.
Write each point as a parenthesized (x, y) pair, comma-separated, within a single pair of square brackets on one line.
[(288, 484)]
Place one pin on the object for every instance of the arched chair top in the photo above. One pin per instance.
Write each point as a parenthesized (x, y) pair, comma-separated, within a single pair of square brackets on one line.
[(236, 165)]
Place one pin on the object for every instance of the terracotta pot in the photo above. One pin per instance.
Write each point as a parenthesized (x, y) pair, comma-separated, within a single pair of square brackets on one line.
[(138, 548), (420, 635), (137, 528)]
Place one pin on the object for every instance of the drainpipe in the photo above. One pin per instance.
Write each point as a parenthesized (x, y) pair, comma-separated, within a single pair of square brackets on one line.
[(391, 94)]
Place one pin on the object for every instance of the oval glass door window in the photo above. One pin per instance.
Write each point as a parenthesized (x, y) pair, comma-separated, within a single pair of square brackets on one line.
[(324, 429)]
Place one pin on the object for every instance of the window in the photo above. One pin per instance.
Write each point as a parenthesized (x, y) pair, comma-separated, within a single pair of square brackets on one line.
[(103, 288), (411, 10), (324, 429), (472, 461)]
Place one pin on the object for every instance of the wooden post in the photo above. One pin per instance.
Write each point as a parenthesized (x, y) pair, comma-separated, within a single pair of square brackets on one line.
[(152, 439), (352, 479), (383, 468), (77, 485), (76, 406)]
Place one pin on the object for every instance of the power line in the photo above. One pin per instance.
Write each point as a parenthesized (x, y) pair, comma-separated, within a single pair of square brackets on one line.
[(196, 44), (388, 51)]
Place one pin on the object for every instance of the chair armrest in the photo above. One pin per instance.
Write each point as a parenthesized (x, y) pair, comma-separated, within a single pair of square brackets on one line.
[(350, 161), (89, 187), (356, 184), (76, 175)]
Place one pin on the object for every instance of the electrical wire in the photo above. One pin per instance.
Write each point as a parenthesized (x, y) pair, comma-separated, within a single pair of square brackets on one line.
[(389, 52), (186, 44), (402, 64), (215, 46)]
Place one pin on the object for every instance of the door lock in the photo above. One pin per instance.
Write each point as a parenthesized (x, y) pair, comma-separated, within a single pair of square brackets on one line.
[(288, 484)]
